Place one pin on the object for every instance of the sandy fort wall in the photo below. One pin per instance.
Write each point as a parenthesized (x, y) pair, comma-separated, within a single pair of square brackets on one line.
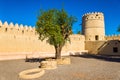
[(18, 39)]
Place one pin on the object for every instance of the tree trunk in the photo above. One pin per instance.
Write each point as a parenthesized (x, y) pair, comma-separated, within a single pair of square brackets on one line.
[(58, 52)]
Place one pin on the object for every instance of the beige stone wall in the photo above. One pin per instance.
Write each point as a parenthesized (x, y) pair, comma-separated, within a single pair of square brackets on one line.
[(76, 44), (21, 43), (93, 26), (93, 46), (18, 39), (111, 47), (103, 47)]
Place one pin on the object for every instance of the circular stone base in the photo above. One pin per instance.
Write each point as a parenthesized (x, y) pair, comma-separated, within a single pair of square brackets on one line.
[(50, 64), (31, 74)]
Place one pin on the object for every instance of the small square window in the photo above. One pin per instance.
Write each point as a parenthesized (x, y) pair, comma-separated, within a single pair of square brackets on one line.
[(96, 37), (115, 49), (6, 29), (22, 31)]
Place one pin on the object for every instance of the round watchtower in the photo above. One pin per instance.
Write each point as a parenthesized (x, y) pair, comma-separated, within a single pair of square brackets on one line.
[(93, 26)]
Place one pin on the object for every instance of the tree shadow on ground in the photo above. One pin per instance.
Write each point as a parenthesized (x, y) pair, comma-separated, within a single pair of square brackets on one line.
[(34, 59), (37, 59), (109, 58)]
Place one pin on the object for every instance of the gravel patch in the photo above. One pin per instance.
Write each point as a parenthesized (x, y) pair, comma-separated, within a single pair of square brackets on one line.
[(81, 68)]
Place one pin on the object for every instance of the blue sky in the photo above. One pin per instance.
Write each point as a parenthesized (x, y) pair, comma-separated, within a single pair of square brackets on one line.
[(25, 11)]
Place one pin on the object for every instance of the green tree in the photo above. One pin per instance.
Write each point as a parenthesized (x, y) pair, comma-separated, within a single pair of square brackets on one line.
[(79, 32), (118, 28), (55, 26)]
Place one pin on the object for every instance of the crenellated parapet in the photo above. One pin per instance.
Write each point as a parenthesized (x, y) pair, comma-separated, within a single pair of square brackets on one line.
[(93, 15), (17, 29), (0, 23), (113, 37)]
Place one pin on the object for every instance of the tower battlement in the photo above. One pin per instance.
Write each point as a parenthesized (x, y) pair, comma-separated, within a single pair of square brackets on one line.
[(93, 15), (93, 26)]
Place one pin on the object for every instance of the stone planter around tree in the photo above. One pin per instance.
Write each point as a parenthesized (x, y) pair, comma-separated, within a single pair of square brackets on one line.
[(49, 64), (64, 60)]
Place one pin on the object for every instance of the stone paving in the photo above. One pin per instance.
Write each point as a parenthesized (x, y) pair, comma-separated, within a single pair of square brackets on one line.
[(82, 68)]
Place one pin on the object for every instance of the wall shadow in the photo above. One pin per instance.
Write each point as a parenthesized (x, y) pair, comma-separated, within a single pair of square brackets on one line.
[(100, 57)]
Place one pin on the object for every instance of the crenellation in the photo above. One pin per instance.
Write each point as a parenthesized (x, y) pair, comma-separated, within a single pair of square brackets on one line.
[(16, 29), (25, 27), (11, 25), (5, 24), (16, 26), (93, 15), (21, 26), (30, 28), (113, 37), (0, 23)]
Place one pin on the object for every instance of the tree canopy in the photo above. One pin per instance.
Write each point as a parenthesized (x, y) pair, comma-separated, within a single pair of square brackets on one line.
[(79, 32), (55, 26), (118, 28)]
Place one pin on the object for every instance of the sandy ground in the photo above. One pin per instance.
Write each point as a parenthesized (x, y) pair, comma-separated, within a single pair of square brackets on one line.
[(82, 68)]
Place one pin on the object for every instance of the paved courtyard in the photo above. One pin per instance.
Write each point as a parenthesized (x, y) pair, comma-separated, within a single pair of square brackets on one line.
[(82, 68)]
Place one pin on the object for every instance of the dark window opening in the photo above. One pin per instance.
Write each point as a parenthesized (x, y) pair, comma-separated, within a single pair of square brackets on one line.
[(116, 43), (119, 41), (96, 37), (6, 29), (96, 14), (115, 49), (22, 31), (0, 26)]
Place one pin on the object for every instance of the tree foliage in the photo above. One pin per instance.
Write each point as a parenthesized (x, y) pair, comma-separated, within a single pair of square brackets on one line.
[(79, 32), (55, 26), (118, 28)]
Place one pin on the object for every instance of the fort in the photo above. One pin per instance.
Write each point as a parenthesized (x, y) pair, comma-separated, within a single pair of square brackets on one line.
[(21, 41)]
